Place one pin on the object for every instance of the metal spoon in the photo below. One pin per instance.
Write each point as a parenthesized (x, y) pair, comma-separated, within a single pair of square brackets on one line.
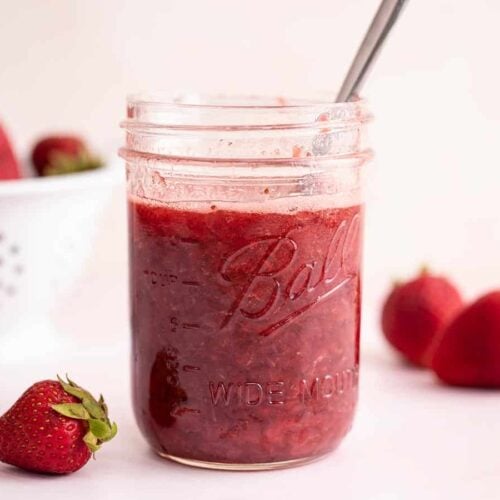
[(380, 27)]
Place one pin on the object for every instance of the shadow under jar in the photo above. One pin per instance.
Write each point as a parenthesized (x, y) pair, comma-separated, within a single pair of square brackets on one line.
[(245, 235)]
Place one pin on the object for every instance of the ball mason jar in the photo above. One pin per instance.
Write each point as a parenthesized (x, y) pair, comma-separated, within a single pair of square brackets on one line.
[(245, 219)]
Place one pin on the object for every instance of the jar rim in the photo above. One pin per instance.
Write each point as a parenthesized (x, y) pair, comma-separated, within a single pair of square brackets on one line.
[(237, 101), (242, 112)]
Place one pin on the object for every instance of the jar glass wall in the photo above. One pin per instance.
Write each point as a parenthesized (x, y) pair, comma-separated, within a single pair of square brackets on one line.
[(245, 240)]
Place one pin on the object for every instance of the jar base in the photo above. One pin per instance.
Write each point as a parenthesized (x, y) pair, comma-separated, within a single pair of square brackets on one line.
[(286, 464)]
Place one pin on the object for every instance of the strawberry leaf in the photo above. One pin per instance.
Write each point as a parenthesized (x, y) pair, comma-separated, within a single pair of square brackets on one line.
[(99, 429), (72, 410), (71, 388), (94, 412), (92, 406), (61, 163), (91, 441), (112, 433)]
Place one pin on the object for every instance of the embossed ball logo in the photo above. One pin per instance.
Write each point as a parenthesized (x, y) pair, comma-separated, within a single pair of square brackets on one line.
[(278, 284)]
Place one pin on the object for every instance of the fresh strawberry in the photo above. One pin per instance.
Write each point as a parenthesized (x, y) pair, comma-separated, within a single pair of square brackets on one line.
[(469, 351), (9, 166), (57, 155), (416, 312), (54, 428)]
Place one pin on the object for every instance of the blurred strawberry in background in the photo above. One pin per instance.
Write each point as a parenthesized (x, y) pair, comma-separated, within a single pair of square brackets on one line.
[(9, 166), (52, 155), (469, 352), (63, 154), (427, 322), (415, 313)]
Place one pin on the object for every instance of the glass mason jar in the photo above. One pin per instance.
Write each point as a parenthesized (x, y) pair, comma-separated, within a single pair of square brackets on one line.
[(245, 235)]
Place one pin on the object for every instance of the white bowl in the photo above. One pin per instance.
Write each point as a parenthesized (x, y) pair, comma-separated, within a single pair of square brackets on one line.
[(47, 229)]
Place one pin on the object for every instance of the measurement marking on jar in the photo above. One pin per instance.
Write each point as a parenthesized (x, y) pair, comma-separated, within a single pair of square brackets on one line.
[(191, 326), (164, 279), (182, 410), (189, 241), (177, 241), (191, 368), (175, 324), (161, 279), (191, 283)]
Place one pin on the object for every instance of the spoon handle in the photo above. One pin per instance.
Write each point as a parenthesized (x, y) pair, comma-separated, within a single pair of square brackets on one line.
[(380, 27)]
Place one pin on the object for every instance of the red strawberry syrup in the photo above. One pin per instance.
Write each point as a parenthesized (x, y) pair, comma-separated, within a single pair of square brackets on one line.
[(245, 329)]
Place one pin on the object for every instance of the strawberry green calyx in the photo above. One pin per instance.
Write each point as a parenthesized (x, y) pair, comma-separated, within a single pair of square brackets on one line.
[(95, 413), (424, 270), (62, 163)]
